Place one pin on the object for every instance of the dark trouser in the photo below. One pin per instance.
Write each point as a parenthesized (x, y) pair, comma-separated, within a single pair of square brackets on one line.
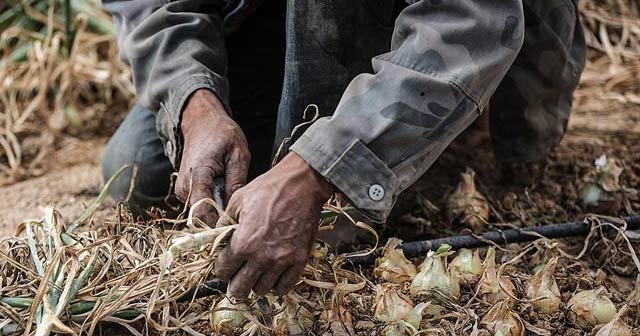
[(304, 63)]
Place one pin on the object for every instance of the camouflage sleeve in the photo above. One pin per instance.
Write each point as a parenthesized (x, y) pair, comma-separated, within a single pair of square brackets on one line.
[(174, 48), (446, 60)]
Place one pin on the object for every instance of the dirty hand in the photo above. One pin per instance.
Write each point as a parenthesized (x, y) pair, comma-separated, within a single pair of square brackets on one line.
[(214, 146), (278, 216)]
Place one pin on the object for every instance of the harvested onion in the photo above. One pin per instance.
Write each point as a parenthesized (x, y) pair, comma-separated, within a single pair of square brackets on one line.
[(226, 319), (617, 326), (434, 277), (467, 204), (543, 290), (500, 320), (293, 319), (392, 266), (467, 267), (590, 308), (397, 310), (337, 320), (493, 288)]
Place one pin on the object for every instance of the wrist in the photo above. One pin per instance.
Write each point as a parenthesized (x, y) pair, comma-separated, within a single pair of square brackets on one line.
[(319, 188), (202, 107)]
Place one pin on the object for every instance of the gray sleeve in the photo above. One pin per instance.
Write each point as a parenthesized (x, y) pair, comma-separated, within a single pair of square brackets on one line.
[(446, 60), (174, 48)]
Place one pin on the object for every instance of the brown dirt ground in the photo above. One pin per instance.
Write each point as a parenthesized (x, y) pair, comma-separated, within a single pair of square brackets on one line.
[(71, 183)]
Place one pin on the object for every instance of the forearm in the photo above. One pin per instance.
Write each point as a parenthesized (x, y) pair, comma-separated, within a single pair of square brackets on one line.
[(174, 48), (390, 126)]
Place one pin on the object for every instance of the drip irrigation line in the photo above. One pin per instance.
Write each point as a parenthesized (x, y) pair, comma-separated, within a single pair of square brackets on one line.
[(421, 248)]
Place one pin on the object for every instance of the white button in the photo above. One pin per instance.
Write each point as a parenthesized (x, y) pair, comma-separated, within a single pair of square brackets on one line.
[(376, 192)]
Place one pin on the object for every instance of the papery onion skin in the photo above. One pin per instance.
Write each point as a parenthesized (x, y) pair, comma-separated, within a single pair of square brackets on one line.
[(225, 319), (395, 329), (467, 267), (590, 307), (493, 288), (434, 276), (391, 305), (467, 204), (616, 327), (294, 319), (500, 320), (393, 266), (543, 289)]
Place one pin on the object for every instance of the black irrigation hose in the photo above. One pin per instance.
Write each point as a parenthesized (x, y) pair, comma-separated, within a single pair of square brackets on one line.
[(421, 248)]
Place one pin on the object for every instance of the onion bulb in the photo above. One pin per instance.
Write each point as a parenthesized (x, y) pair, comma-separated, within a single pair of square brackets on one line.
[(617, 326), (466, 267), (493, 288), (226, 319), (543, 289), (392, 266), (393, 306), (603, 179), (434, 276), (293, 319), (337, 320), (467, 204), (397, 311), (501, 321), (590, 308)]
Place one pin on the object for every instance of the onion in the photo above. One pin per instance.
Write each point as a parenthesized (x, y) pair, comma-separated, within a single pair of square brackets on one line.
[(590, 308), (609, 172), (293, 319), (466, 267), (493, 288), (392, 266), (602, 179), (543, 290), (467, 204), (337, 320), (500, 320), (397, 310), (226, 319), (590, 193), (616, 327), (434, 277)]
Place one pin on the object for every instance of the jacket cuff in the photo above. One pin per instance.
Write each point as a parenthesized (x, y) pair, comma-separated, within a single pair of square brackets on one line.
[(352, 168), (170, 114)]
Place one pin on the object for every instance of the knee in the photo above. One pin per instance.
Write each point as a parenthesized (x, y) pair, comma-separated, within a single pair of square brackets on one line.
[(136, 143)]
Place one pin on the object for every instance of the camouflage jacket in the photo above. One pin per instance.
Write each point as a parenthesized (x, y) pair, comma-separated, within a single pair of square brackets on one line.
[(446, 59)]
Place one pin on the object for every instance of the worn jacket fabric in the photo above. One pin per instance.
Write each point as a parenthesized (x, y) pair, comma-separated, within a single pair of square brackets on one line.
[(445, 60)]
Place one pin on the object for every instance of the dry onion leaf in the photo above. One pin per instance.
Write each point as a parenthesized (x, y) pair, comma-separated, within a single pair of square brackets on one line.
[(393, 266), (543, 289), (500, 320)]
